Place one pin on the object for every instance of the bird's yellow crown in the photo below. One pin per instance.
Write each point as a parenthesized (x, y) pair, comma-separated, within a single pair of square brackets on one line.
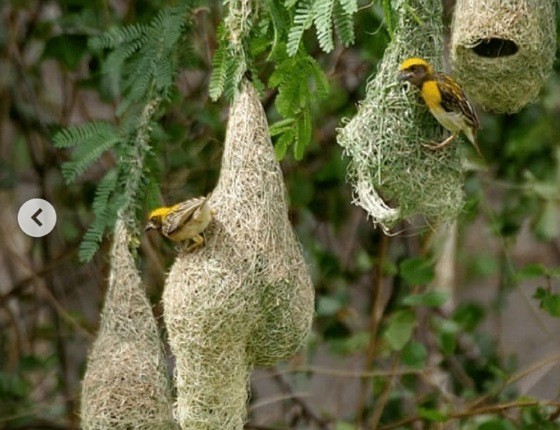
[(160, 212), (406, 64)]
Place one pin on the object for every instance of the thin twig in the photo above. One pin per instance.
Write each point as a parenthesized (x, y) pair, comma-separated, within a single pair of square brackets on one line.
[(375, 317), (342, 373), (384, 398), (491, 409), (306, 410)]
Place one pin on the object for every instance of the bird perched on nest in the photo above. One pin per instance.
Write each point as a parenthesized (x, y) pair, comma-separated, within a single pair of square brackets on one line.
[(182, 221), (444, 98)]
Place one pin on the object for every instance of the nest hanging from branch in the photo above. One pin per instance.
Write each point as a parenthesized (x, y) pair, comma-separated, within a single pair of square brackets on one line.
[(245, 298), (394, 177), (125, 386), (503, 51)]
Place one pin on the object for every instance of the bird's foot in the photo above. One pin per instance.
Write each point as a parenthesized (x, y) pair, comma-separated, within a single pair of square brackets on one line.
[(435, 146), (198, 242)]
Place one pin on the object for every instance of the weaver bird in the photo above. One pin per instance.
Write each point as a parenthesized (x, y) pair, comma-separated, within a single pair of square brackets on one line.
[(444, 98), (182, 221)]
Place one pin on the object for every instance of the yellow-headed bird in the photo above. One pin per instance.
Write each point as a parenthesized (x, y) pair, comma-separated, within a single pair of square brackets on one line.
[(444, 98)]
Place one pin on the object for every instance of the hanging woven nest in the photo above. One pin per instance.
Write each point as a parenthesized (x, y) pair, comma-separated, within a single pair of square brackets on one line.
[(393, 175), (125, 386), (503, 51), (245, 298)]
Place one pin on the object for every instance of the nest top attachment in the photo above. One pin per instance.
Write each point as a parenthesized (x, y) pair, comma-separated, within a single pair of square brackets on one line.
[(503, 50)]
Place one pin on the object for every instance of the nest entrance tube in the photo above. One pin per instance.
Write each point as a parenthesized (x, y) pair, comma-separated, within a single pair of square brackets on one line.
[(245, 298), (502, 51)]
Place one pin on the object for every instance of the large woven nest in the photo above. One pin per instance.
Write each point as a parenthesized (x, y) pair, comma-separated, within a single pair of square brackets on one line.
[(393, 175), (125, 386), (503, 50), (245, 298)]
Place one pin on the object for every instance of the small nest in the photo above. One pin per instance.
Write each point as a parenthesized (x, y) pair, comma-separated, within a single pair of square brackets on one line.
[(125, 385), (245, 298), (393, 175), (503, 51)]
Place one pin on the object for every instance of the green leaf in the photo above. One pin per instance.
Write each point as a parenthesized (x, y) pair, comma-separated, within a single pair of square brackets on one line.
[(80, 134), (68, 49), (282, 144), (389, 17), (281, 126), (342, 425), (303, 19), (549, 302), (469, 316), (496, 424), (400, 328), (447, 343), (117, 36), (531, 271), (323, 12), (417, 271), (303, 134), (349, 6), (414, 355), (431, 299), (344, 24), (432, 415), (85, 155)]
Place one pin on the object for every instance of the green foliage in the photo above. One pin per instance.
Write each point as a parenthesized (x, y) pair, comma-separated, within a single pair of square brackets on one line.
[(408, 338), (297, 77), (324, 14), (549, 302), (433, 299), (139, 63), (400, 328), (300, 83), (416, 271), (414, 355)]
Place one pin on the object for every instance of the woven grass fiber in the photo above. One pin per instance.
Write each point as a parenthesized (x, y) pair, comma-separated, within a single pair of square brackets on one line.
[(394, 177), (484, 36), (125, 386), (245, 298)]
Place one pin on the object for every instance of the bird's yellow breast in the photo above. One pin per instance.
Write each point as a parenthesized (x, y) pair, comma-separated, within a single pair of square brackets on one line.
[(431, 95)]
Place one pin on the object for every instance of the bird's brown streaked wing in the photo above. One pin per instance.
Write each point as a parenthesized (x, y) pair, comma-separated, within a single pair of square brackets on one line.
[(453, 99), (181, 214)]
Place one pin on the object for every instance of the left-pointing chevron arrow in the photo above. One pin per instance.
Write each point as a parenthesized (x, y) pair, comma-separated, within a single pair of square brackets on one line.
[(34, 217)]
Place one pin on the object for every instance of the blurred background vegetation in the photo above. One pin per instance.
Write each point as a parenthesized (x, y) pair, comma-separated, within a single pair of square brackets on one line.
[(395, 343)]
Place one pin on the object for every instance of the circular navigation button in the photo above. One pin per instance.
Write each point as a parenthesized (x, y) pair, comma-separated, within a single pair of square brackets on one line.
[(36, 217)]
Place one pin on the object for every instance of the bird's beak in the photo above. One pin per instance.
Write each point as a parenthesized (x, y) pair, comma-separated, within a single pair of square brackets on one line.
[(404, 76), (149, 226)]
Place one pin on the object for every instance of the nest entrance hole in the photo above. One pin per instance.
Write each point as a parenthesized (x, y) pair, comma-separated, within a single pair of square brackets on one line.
[(495, 47)]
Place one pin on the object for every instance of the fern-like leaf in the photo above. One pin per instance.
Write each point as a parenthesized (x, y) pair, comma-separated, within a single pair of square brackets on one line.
[(112, 67), (236, 70), (304, 133), (349, 6), (344, 24), (86, 154), (117, 36), (323, 14), (219, 69), (80, 134), (303, 19), (106, 187), (389, 17)]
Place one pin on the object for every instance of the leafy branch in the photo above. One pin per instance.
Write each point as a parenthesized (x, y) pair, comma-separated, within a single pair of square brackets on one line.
[(139, 63)]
